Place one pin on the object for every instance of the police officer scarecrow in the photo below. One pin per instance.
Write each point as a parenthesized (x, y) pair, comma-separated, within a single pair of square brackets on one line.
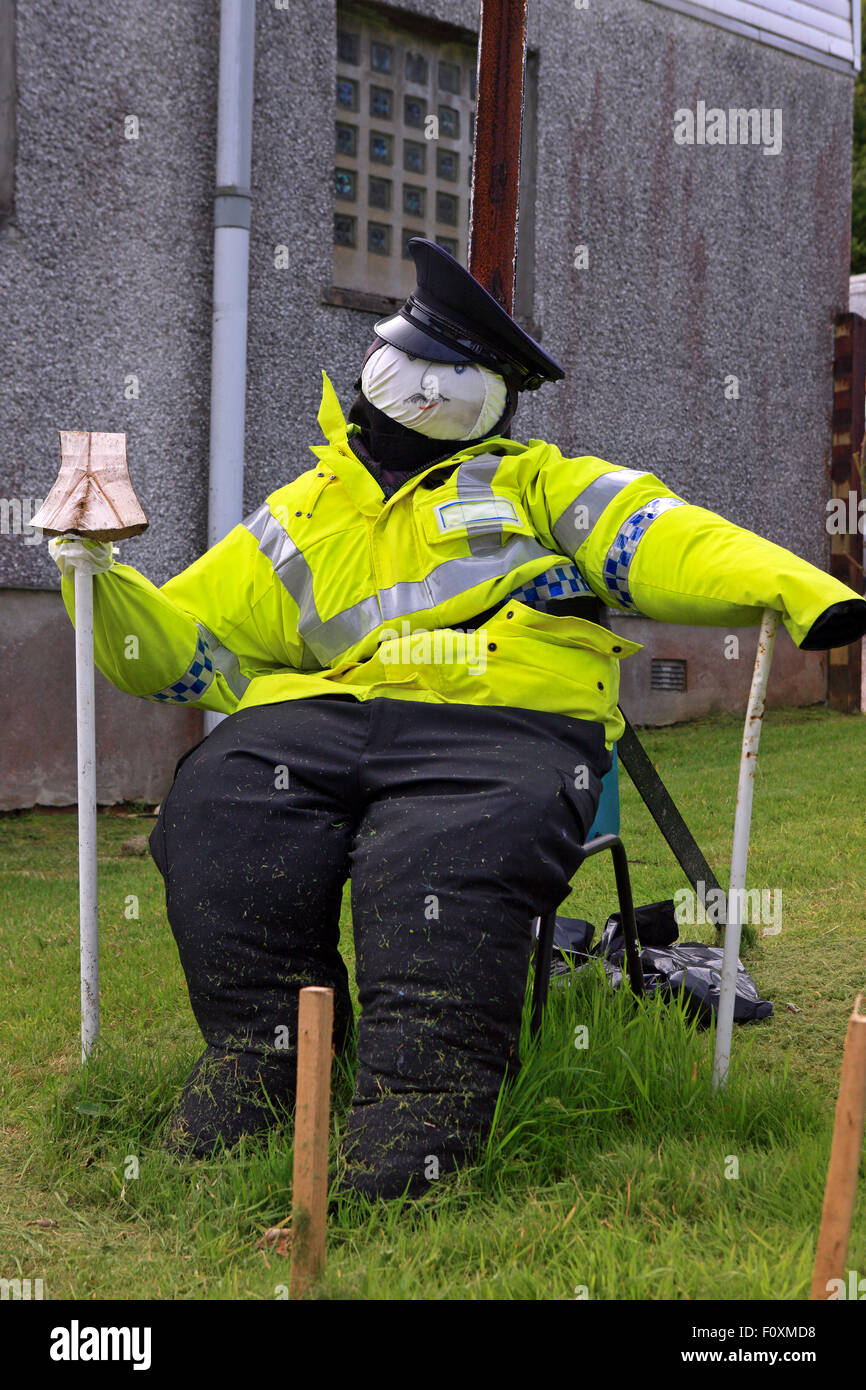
[(408, 711)]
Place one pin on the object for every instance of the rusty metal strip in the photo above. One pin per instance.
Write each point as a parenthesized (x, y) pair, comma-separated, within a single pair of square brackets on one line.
[(496, 157), (847, 484)]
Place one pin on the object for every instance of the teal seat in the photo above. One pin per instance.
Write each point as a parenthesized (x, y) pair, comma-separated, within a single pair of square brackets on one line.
[(607, 816)]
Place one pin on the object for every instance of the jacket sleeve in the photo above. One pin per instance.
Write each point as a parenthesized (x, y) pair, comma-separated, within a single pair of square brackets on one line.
[(200, 637), (643, 549)]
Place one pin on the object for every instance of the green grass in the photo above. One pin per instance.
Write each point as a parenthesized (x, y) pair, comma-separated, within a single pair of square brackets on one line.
[(606, 1169)]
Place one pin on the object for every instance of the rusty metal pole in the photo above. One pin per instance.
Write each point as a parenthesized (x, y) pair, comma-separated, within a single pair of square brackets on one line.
[(847, 483), (496, 157)]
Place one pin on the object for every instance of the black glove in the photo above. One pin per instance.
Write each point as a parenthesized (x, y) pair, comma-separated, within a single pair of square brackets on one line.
[(838, 625)]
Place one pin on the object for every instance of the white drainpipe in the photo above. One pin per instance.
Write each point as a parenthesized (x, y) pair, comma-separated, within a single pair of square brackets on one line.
[(232, 204)]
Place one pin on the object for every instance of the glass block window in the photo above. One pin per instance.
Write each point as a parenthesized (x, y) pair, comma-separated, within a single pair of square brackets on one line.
[(414, 111), (449, 77), (381, 57), (414, 200), (381, 103), (417, 69), (348, 47), (449, 122), (346, 139), (379, 192), (381, 147), (345, 185), (345, 230), (414, 157), (347, 93), (446, 208), (396, 175), (379, 238), (447, 165)]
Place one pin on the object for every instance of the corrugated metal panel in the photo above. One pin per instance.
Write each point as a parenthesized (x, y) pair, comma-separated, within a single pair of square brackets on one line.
[(827, 31)]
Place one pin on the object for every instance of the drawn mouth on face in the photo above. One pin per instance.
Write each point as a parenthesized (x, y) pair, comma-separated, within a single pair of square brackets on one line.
[(425, 402)]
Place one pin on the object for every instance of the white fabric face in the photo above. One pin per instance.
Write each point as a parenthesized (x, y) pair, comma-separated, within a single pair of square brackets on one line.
[(442, 400)]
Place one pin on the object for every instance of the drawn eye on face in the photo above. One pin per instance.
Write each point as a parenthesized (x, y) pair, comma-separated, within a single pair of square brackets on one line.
[(459, 369)]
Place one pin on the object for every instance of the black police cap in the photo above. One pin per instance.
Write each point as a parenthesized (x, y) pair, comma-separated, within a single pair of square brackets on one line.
[(450, 317)]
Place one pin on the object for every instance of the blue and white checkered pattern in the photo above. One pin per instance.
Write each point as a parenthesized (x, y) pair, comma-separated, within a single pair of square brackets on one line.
[(621, 553), (195, 679), (561, 581)]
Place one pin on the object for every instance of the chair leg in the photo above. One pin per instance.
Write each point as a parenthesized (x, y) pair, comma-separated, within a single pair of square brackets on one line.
[(626, 904), (543, 953), (542, 958), (627, 917)]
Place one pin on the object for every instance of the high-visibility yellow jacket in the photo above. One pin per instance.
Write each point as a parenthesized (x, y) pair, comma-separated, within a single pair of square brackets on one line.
[(329, 587)]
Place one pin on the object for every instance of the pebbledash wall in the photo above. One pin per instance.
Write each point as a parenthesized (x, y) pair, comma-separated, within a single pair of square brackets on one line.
[(702, 264)]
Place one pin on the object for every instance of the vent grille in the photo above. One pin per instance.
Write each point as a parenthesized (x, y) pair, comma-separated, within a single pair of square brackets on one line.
[(667, 674)]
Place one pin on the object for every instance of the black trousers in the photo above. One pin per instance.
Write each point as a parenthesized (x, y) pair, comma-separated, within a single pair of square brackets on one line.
[(456, 824)]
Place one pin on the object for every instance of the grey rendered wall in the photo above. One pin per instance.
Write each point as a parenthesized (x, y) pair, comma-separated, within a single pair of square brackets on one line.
[(37, 749), (702, 262)]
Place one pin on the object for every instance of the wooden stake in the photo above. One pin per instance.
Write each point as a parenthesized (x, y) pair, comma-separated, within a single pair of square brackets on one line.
[(312, 1113), (841, 1191)]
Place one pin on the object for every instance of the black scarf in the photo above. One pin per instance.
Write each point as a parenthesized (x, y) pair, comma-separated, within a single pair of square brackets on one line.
[(393, 446)]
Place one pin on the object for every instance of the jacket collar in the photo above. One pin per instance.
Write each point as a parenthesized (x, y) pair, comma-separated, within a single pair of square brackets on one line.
[(358, 481)]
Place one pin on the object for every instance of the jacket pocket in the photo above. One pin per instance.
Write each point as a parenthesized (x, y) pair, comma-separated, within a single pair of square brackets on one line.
[(564, 631), (474, 513)]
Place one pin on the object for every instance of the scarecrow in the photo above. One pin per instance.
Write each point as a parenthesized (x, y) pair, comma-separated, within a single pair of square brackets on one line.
[(407, 711)]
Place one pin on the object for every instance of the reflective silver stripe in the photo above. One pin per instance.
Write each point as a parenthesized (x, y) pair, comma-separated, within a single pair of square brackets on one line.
[(289, 565), (225, 662), (329, 639), (474, 478), (454, 577), (572, 530), (445, 582), (336, 635)]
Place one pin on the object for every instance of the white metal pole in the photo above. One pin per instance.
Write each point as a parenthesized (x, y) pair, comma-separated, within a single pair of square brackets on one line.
[(87, 880), (232, 212), (740, 854)]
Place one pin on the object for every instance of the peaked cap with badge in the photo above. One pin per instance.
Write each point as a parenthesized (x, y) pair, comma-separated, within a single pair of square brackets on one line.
[(450, 317)]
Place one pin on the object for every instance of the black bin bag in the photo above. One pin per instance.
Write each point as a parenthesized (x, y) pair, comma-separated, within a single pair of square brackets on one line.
[(669, 965)]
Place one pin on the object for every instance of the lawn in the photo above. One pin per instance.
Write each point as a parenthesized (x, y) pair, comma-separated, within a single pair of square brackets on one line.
[(613, 1171)]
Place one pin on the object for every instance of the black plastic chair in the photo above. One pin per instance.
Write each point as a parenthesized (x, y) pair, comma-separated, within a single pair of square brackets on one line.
[(543, 952)]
